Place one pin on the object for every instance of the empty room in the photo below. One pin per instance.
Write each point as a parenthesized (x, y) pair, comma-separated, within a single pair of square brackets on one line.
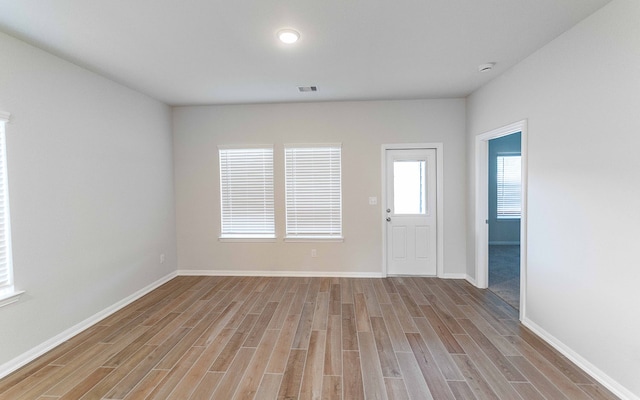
[(319, 200)]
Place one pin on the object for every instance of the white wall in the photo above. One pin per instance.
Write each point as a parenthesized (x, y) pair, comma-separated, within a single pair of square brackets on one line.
[(361, 127), (581, 96), (91, 191)]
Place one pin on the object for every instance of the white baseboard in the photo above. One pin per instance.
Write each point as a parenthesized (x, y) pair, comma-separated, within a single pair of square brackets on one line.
[(583, 364), (471, 280), (453, 276), (27, 357), (308, 274)]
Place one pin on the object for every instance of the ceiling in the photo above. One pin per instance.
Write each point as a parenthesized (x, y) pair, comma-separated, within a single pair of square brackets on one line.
[(186, 52)]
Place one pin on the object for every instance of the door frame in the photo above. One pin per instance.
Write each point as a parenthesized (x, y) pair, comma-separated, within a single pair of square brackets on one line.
[(438, 147), (482, 206)]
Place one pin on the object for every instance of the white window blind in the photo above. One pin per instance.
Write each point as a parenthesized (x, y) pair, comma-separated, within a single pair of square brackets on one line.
[(6, 278), (313, 191), (509, 186), (246, 192)]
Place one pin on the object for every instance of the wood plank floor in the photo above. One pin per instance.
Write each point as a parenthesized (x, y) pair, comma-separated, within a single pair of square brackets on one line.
[(306, 338)]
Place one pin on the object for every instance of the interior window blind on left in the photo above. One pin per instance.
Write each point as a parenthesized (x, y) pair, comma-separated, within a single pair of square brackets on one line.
[(246, 192), (7, 291)]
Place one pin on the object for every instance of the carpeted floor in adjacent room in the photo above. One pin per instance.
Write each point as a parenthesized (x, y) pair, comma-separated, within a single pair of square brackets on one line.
[(504, 273)]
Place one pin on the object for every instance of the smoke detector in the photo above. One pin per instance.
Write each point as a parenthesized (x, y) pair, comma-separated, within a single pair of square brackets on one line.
[(486, 67)]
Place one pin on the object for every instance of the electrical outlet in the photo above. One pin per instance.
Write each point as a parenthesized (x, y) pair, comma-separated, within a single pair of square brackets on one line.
[(162, 258), (314, 253)]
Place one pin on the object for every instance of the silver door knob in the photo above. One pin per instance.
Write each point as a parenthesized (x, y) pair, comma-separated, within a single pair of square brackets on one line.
[(388, 219), (388, 210)]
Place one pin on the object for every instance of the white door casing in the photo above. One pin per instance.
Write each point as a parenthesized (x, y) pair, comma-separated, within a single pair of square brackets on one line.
[(411, 211), (482, 208)]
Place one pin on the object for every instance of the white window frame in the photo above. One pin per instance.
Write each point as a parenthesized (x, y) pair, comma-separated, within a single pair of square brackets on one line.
[(8, 294), (511, 195), (264, 182), (300, 171)]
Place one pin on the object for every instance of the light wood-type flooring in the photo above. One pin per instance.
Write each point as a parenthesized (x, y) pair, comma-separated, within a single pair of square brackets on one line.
[(307, 338)]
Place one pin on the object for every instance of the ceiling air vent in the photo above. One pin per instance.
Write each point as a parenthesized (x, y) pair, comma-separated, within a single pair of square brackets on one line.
[(305, 89)]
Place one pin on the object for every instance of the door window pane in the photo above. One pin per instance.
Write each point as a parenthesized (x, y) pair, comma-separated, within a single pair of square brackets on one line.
[(409, 187)]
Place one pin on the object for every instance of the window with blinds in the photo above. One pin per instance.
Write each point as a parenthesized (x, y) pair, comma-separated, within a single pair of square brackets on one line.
[(509, 191), (313, 191), (6, 278), (246, 192)]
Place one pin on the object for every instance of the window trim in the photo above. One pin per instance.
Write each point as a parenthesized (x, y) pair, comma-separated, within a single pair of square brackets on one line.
[(251, 239), (309, 239), (8, 293), (246, 237), (298, 237)]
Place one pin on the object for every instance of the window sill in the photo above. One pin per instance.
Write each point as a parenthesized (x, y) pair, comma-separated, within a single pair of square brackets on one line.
[(10, 297), (246, 239), (314, 239)]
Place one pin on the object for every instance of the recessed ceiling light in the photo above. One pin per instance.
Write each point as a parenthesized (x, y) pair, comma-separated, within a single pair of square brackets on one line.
[(486, 67), (288, 36)]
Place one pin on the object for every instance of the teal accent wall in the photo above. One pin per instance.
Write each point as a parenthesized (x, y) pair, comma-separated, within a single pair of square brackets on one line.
[(501, 231)]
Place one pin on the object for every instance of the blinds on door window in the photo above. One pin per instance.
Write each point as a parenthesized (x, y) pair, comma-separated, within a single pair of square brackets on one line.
[(313, 191), (246, 192), (508, 179)]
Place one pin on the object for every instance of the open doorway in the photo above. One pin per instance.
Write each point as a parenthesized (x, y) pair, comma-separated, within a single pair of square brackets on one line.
[(505, 206), (500, 252)]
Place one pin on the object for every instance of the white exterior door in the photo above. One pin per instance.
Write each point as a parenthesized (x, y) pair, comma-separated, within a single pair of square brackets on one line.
[(411, 212)]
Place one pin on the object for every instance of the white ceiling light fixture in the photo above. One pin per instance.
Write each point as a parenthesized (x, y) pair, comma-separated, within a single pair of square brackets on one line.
[(288, 36)]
